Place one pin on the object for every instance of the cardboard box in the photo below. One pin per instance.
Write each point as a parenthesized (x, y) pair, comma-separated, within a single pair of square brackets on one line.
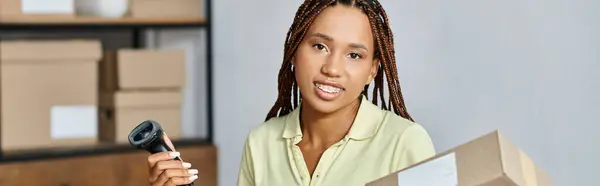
[(10, 8), (123, 110), (19, 8), (49, 93), (167, 8), (490, 160), (143, 69)]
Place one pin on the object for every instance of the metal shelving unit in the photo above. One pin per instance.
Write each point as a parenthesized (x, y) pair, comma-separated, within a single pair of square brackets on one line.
[(136, 27)]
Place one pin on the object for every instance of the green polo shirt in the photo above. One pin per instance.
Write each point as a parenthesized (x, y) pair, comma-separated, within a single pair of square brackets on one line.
[(379, 143)]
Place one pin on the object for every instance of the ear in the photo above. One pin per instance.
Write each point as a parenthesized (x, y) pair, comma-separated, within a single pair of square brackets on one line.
[(373, 71)]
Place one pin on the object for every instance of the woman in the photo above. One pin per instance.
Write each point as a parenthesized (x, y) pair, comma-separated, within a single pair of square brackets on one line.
[(328, 133)]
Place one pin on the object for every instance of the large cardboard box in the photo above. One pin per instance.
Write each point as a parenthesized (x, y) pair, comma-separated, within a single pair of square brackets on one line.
[(130, 69), (167, 8), (49, 93), (490, 160), (123, 110)]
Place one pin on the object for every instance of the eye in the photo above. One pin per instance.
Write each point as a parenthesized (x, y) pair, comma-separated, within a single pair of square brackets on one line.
[(355, 56), (319, 47)]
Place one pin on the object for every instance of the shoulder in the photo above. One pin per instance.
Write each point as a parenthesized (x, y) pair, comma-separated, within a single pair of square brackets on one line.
[(410, 138), (268, 130), (396, 126)]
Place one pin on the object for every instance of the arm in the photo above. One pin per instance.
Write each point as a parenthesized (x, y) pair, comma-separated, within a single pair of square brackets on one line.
[(246, 172)]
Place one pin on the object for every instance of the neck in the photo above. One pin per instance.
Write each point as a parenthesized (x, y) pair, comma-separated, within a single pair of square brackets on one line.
[(324, 129)]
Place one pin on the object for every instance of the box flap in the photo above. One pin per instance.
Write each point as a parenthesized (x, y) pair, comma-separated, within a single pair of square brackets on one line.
[(50, 50), (512, 161), (147, 99), (542, 177), (480, 159)]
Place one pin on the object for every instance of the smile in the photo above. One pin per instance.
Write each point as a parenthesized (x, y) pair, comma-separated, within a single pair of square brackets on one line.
[(328, 89)]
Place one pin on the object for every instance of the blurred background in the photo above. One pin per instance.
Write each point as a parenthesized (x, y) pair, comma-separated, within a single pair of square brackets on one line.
[(77, 75)]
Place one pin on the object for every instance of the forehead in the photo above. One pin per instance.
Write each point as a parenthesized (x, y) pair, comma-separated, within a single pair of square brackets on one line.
[(344, 24)]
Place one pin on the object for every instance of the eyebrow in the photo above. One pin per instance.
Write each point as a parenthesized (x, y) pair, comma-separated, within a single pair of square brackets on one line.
[(329, 38), (356, 45), (326, 37)]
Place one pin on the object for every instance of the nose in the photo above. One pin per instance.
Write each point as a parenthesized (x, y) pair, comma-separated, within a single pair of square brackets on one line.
[(333, 67)]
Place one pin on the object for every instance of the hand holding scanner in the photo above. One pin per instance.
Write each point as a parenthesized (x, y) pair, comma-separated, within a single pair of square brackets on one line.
[(148, 135)]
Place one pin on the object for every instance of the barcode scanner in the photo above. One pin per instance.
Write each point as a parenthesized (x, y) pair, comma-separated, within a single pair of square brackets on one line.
[(148, 135)]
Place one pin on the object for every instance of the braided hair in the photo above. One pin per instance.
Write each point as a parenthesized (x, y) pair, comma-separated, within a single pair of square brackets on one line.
[(288, 97)]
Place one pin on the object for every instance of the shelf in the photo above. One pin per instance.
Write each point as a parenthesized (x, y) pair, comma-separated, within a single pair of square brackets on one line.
[(62, 21), (122, 169), (78, 151)]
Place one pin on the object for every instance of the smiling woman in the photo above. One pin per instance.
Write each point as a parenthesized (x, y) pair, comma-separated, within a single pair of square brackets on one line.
[(328, 133), (374, 19), (322, 129)]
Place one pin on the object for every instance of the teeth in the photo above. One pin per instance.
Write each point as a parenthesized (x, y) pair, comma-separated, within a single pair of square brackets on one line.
[(329, 89)]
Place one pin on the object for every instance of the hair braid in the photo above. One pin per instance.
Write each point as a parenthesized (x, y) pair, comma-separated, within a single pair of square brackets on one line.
[(288, 96), (287, 86)]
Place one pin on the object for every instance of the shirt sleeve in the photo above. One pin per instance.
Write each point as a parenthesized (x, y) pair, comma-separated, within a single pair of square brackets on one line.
[(414, 145), (246, 172)]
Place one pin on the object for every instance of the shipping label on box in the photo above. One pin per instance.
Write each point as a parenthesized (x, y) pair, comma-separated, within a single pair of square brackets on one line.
[(73, 121), (439, 172)]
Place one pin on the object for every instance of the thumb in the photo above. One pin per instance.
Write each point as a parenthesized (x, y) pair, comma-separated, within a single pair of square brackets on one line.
[(168, 141)]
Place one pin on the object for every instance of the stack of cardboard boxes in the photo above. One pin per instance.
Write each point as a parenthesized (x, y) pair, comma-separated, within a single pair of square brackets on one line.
[(65, 93), (138, 85)]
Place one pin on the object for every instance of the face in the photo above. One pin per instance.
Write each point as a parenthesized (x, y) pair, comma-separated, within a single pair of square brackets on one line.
[(335, 60)]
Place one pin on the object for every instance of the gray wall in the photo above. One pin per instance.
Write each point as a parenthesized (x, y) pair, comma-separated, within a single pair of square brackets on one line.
[(249, 37), (193, 41), (467, 67)]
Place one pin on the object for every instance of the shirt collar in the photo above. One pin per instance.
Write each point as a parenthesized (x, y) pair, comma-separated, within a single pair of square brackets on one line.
[(365, 124)]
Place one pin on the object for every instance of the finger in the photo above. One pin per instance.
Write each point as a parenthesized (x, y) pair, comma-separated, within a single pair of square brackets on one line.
[(174, 173), (161, 181), (181, 180), (168, 141), (176, 176), (167, 165), (161, 156)]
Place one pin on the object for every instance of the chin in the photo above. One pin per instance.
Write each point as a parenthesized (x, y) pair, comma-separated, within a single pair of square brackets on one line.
[(321, 106), (326, 106)]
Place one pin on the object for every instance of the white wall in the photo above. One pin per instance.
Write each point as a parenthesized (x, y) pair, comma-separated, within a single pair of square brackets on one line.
[(467, 67)]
